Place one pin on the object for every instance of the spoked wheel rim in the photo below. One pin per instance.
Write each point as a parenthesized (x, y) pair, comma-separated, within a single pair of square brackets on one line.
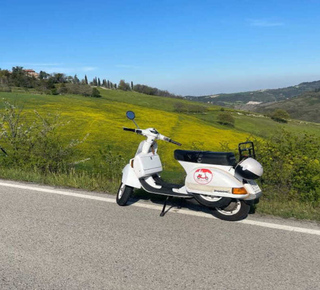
[(231, 209)]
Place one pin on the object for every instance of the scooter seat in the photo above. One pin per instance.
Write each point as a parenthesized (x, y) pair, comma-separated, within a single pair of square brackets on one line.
[(207, 157)]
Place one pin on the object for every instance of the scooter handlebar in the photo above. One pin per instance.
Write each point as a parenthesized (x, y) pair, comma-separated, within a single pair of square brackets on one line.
[(169, 140), (174, 142), (161, 137), (138, 131), (129, 129)]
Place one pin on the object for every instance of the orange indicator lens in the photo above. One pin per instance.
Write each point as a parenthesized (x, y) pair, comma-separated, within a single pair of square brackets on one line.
[(240, 190)]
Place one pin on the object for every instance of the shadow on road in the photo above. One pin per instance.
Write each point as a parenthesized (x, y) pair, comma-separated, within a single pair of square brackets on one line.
[(174, 202)]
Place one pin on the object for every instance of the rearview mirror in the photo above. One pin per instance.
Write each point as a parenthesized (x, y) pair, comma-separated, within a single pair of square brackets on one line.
[(130, 115)]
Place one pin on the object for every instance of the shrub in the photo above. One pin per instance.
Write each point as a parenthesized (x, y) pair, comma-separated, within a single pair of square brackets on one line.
[(34, 144), (226, 118), (291, 166), (188, 108), (281, 116), (95, 93)]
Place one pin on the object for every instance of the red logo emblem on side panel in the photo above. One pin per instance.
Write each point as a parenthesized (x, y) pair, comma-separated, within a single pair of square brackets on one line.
[(203, 176)]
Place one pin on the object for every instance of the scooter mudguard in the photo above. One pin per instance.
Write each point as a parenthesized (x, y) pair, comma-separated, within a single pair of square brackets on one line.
[(129, 177)]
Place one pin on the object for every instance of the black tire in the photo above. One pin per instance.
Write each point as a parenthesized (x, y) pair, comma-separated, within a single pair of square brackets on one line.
[(123, 194), (236, 210), (212, 202)]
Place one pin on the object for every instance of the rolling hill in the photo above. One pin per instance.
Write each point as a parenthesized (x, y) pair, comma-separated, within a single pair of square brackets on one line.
[(304, 107), (238, 100), (102, 120)]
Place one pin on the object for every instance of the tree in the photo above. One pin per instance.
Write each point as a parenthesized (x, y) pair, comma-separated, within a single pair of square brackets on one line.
[(76, 80), (43, 75), (4, 76), (58, 78), (124, 86), (18, 77), (95, 93), (153, 91), (86, 79), (225, 118), (99, 82), (280, 115)]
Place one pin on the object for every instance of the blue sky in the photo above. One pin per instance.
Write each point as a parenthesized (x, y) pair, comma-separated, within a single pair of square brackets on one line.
[(187, 47)]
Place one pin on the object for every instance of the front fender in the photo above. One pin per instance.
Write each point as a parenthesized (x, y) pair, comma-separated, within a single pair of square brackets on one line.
[(129, 177)]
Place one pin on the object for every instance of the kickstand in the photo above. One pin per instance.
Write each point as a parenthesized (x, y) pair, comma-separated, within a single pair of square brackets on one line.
[(163, 212), (180, 203)]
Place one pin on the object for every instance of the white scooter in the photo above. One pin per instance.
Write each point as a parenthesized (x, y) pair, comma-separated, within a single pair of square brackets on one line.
[(214, 179)]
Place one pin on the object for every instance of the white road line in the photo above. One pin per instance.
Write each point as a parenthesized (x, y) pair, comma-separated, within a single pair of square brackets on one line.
[(157, 207)]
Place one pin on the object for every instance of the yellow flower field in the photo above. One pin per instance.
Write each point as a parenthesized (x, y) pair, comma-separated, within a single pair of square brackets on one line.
[(102, 120)]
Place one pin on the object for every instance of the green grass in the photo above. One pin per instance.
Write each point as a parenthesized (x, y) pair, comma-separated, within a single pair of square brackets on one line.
[(260, 125), (289, 209), (102, 119)]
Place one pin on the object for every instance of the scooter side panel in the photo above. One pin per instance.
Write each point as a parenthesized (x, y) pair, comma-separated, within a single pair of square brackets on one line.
[(213, 180), (129, 177)]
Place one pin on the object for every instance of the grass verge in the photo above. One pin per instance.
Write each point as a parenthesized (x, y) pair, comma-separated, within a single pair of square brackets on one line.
[(80, 180)]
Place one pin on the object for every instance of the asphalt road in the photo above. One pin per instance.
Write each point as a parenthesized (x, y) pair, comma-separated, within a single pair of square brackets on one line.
[(62, 239)]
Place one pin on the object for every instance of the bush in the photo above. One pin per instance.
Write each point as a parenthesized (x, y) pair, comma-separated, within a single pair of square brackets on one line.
[(291, 166), (34, 145), (226, 118), (95, 93), (79, 89), (188, 108), (281, 116)]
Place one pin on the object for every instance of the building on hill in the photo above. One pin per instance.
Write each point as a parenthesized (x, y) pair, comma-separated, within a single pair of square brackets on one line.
[(31, 72)]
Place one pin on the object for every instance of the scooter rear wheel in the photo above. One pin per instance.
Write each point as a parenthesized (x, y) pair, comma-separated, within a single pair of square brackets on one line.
[(123, 194), (236, 210), (212, 201)]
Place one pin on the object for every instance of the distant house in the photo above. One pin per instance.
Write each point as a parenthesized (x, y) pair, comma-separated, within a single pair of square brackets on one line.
[(31, 72)]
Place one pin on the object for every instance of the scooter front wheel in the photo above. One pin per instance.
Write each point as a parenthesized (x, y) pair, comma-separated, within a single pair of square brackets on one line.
[(212, 201), (123, 194), (236, 210)]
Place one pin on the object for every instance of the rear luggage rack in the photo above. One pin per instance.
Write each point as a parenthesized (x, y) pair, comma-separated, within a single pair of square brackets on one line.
[(246, 149)]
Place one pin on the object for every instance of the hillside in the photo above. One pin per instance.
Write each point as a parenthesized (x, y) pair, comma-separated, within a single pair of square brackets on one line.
[(99, 159), (236, 100), (305, 107), (103, 119)]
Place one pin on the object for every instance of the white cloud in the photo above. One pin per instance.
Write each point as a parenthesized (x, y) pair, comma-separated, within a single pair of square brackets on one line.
[(88, 68), (264, 23)]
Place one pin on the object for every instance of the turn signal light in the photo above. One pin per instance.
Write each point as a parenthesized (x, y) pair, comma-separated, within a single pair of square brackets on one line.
[(240, 190)]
